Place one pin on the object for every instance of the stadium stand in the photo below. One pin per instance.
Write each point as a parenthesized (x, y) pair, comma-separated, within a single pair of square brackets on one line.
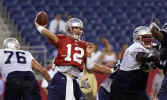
[(114, 19)]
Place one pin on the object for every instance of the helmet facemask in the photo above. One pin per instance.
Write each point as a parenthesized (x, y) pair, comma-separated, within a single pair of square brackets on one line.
[(147, 41), (143, 35)]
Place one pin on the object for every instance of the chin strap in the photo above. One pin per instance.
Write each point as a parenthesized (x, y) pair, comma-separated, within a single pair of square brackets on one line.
[(77, 37)]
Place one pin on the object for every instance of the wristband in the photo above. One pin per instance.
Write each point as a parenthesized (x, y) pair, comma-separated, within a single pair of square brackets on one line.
[(40, 28)]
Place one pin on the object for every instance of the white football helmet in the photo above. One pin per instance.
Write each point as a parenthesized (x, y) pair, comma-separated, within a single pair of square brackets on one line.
[(74, 23), (11, 43), (143, 35)]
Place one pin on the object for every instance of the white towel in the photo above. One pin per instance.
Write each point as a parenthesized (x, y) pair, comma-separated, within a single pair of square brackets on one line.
[(69, 89)]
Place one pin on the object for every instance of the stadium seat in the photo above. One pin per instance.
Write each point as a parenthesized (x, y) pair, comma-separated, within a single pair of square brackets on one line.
[(114, 18)]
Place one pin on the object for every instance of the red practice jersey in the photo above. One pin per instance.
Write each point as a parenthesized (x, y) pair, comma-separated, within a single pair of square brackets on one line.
[(71, 52)]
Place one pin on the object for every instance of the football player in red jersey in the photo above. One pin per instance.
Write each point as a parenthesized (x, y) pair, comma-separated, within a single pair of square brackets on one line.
[(70, 61)]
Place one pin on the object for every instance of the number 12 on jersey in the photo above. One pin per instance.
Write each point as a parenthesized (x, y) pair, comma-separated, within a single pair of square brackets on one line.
[(76, 56)]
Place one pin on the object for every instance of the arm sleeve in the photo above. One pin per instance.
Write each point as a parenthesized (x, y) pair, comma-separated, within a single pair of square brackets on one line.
[(143, 57), (89, 63), (60, 37), (30, 57), (134, 52)]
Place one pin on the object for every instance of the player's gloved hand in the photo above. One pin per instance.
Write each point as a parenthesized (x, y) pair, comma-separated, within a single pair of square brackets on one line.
[(154, 25)]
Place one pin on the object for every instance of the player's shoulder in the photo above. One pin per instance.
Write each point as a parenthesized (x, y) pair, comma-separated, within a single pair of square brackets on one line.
[(2, 50), (61, 35), (84, 42), (135, 46), (25, 51), (22, 51)]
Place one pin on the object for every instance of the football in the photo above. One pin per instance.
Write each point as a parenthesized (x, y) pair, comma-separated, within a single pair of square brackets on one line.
[(42, 18)]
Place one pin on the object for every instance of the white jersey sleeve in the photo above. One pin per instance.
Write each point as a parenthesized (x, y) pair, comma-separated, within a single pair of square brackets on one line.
[(129, 59), (90, 63), (14, 60)]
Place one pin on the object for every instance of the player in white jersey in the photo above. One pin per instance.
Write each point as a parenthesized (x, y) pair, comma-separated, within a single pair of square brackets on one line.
[(16, 69), (131, 80)]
